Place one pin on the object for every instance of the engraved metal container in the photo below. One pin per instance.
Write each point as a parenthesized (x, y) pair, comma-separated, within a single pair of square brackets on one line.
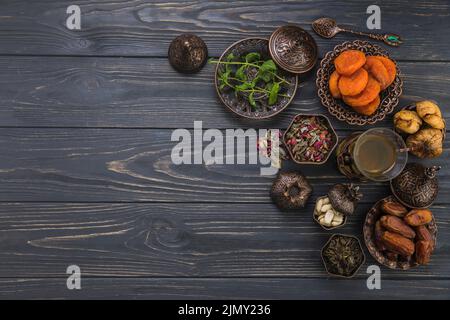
[(188, 53), (325, 227), (389, 97), (328, 125), (417, 186), (293, 49), (359, 248)]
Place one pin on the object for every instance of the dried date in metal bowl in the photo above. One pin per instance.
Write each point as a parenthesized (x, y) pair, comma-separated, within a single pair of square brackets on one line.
[(383, 257)]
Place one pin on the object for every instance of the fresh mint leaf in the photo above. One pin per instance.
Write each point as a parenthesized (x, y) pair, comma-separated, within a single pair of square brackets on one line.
[(269, 66), (240, 74), (252, 57), (230, 57), (265, 76), (273, 95), (242, 87), (251, 100)]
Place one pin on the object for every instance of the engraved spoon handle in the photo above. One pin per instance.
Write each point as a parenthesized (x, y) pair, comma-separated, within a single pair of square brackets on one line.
[(388, 38)]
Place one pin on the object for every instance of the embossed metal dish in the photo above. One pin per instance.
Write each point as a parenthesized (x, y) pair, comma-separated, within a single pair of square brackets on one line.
[(372, 217), (326, 264), (329, 126), (293, 49), (239, 104), (325, 227), (389, 97)]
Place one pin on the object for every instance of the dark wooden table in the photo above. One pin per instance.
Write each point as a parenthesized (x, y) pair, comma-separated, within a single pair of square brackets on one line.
[(85, 171)]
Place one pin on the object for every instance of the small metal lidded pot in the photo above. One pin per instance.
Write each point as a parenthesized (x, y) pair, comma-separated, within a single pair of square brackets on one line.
[(188, 53), (417, 186), (341, 201)]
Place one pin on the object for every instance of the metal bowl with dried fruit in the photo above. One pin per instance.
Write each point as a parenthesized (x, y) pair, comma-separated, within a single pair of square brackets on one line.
[(399, 237)]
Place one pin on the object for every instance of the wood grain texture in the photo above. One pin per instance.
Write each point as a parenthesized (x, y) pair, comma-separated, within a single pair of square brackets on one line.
[(86, 176), (141, 27), (219, 288), (181, 240), (135, 165), (146, 93)]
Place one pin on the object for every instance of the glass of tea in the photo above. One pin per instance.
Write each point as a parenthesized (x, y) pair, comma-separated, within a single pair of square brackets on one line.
[(380, 154)]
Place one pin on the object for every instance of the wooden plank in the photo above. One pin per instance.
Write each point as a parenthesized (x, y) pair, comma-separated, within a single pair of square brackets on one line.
[(180, 240), (147, 93), (135, 165), (141, 27), (236, 289)]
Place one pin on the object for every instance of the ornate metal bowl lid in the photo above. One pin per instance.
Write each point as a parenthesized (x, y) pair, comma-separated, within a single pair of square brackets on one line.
[(417, 186), (188, 53), (293, 49)]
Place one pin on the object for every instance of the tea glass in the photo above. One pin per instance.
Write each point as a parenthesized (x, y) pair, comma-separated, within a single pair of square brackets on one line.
[(400, 149)]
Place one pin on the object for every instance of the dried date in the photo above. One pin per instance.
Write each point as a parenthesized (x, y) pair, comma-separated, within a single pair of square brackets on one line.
[(394, 208), (397, 243), (397, 225), (418, 217), (422, 233), (424, 249)]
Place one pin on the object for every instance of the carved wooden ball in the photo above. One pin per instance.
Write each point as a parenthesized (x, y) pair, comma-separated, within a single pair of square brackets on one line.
[(188, 53)]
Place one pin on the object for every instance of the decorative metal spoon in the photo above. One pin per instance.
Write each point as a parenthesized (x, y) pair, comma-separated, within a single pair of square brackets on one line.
[(327, 28)]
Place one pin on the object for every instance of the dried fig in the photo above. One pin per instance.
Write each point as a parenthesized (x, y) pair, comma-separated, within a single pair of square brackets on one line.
[(430, 113), (426, 143), (397, 243), (424, 249), (407, 121), (394, 208), (418, 217), (397, 225)]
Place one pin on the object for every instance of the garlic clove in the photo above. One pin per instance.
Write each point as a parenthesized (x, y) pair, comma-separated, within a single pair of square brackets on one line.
[(319, 205), (329, 216), (325, 208)]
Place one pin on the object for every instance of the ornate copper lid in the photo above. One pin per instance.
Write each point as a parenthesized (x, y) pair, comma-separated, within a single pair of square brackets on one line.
[(188, 53), (417, 186), (293, 49)]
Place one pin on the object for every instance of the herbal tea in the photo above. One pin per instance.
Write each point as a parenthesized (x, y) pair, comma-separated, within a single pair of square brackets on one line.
[(375, 154)]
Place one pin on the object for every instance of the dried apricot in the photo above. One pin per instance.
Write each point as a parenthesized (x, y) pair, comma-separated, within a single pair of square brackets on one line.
[(349, 62), (333, 84), (369, 108), (369, 93), (390, 68), (354, 84), (377, 69)]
